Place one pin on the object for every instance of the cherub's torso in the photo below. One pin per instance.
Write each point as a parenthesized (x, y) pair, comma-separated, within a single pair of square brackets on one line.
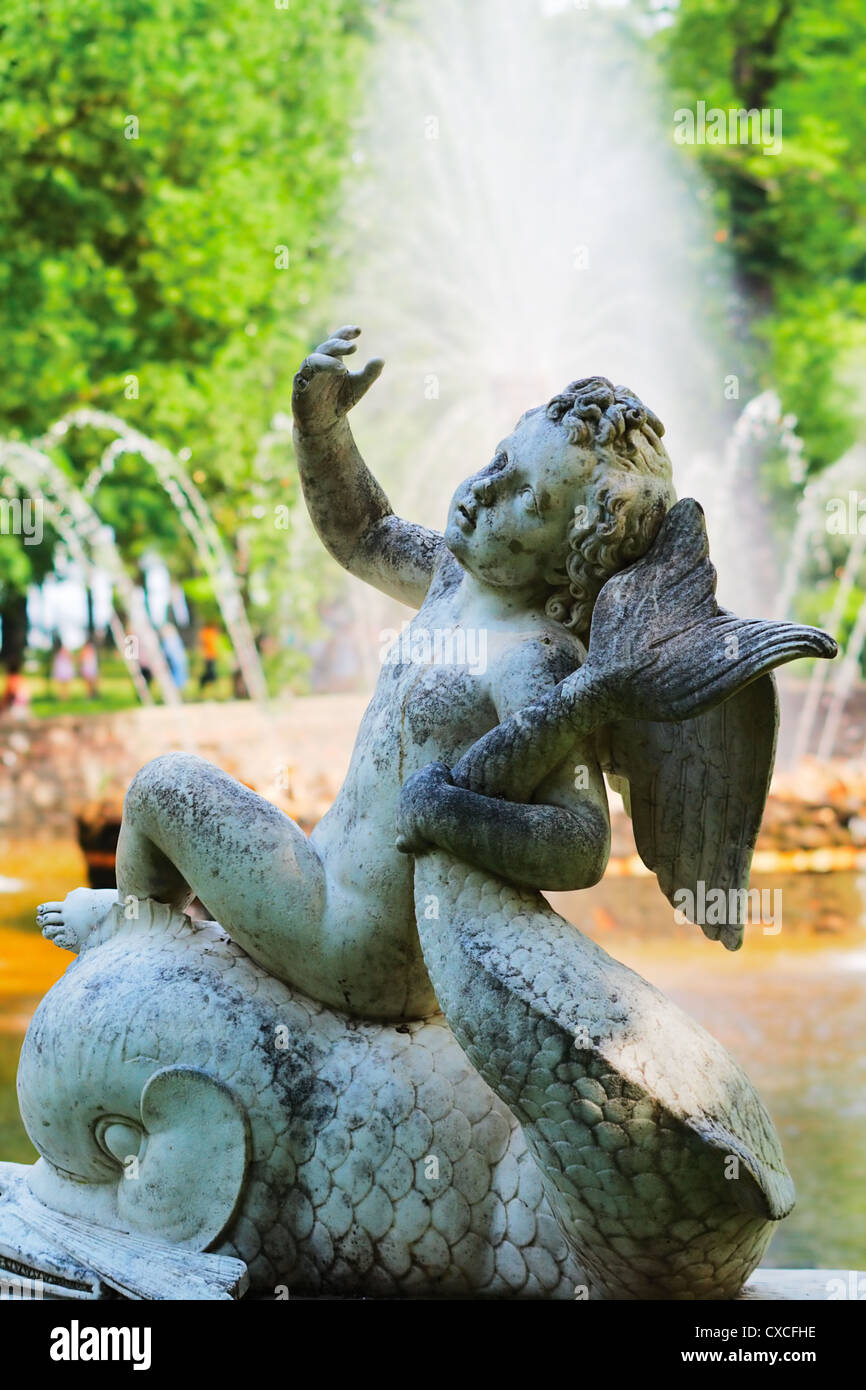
[(433, 700)]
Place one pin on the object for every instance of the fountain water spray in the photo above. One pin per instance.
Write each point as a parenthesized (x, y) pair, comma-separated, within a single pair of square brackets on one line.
[(832, 623), (92, 545), (843, 685), (760, 426), (195, 516), (522, 217), (808, 515), (837, 482)]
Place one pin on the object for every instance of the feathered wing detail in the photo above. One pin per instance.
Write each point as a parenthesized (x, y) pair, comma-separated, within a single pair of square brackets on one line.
[(696, 792)]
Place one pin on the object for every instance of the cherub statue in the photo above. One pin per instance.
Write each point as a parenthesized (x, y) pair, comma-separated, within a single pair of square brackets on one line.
[(471, 790), (572, 496)]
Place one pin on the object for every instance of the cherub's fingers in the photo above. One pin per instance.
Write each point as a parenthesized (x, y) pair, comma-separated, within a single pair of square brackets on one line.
[(480, 768), (351, 330), (412, 844), (363, 380), (469, 773), (312, 365), (475, 779), (336, 347), (323, 362)]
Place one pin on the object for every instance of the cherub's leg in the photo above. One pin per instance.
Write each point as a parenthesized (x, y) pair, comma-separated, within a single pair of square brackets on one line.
[(191, 830)]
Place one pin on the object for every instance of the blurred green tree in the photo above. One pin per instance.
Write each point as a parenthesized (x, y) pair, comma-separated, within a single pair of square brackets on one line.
[(169, 179), (794, 220)]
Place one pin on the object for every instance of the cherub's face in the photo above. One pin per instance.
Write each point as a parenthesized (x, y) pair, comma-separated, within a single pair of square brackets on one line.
[(507, 524)]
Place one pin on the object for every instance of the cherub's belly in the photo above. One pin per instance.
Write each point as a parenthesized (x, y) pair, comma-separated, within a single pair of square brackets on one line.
[(418, 715), (370, 913), (381, 971)]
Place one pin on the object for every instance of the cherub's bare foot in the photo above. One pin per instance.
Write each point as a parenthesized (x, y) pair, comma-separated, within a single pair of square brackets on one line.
[(69, 923)]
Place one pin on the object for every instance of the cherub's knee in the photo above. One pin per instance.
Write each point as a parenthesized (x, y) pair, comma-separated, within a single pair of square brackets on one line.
[(162, 783)]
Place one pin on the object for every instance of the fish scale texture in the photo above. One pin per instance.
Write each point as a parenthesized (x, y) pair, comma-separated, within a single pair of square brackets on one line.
[(658, 1157), (340, 1195)]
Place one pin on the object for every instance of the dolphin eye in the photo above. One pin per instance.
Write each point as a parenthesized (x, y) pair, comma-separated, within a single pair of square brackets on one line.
[(118, 1137)]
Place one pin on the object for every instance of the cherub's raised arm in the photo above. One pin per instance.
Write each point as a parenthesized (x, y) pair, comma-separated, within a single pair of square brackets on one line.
[(348, 508)]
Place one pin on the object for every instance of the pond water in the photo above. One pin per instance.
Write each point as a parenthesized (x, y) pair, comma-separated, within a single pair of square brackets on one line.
[(790, 1006)]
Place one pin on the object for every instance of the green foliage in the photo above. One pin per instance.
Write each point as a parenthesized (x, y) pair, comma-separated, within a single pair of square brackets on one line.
[(154, 157), (795, 219)]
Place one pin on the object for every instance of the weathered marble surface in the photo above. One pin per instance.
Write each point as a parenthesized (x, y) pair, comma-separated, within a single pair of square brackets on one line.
[(315, 1176), (270, 1129), (658, 1157), (282, 1094)]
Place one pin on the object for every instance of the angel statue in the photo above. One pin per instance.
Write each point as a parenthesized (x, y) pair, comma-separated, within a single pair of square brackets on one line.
[(392, 1068)]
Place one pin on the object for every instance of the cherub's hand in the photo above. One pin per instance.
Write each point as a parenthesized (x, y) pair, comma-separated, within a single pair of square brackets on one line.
[(492, 766), (324, 389), (418, 799)]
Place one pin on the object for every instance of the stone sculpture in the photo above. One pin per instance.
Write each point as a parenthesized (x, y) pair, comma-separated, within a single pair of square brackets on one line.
[(277, 1103)]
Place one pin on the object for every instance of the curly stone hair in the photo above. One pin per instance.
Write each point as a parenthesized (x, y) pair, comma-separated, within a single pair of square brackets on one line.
[(629, 492)]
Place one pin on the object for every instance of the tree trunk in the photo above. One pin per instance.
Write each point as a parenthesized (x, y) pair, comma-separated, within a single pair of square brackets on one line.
[(13, 615)]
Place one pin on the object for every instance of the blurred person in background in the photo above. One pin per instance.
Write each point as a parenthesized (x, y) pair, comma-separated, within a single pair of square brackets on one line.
[(62, 671), (15, 700), (175, 654), (89, 668), (208, 644)]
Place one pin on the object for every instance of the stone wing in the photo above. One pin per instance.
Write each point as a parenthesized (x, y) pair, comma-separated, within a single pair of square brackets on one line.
[(696, 791)]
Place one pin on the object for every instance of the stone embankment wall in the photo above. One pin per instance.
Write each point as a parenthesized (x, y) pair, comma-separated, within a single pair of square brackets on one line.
[(295, 753), (53, 771)]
